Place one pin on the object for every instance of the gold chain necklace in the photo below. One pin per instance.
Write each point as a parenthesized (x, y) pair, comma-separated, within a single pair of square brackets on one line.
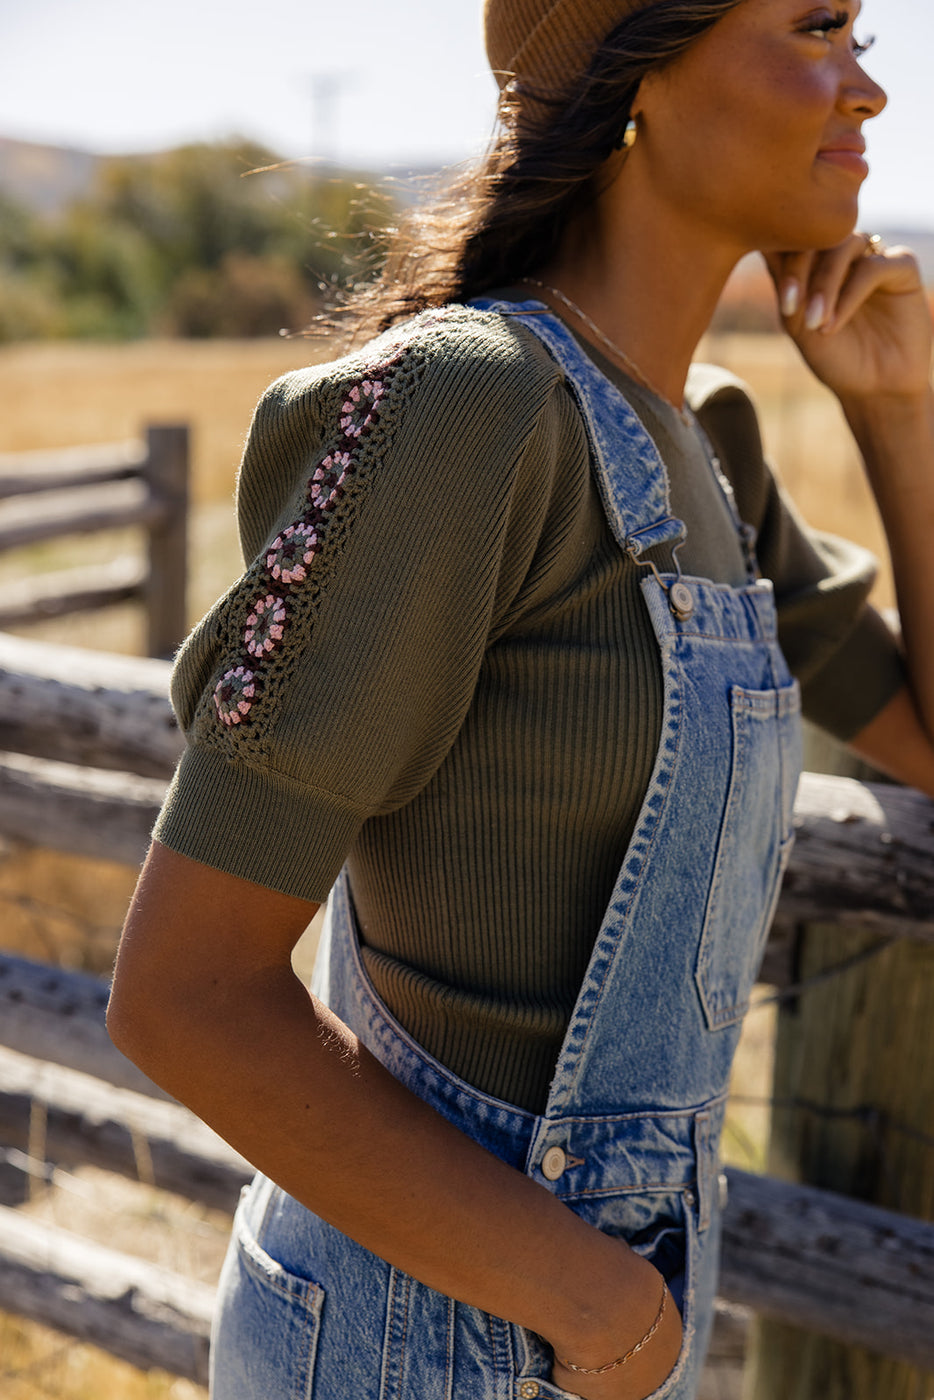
[(624, 360)]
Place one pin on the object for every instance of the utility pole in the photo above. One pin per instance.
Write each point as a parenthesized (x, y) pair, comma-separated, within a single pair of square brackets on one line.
[(326, 89)]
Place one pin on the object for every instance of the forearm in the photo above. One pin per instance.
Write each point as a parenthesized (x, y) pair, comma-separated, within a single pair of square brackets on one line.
[(896, 439), (287, 1085)]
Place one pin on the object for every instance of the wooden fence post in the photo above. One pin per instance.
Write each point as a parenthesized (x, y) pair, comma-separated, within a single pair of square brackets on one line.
[(167, 474), (854, 1091)]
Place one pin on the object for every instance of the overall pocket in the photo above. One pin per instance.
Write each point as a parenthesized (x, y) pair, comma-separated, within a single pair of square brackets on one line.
[(673, 1245), (265, 1333), (754, 844)]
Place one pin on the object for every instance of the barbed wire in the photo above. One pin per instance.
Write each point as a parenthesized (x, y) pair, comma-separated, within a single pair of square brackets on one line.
[(42, 1170), (795, 990), (874, 1119)]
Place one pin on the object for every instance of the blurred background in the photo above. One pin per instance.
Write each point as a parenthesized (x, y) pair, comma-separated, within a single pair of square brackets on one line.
[(147, 276), (126, 133)]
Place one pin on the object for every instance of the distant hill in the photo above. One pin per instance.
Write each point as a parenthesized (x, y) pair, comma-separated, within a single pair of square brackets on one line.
[(44, 178)]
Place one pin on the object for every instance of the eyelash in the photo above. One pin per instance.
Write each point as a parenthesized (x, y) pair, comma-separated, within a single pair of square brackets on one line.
[(839, 21)]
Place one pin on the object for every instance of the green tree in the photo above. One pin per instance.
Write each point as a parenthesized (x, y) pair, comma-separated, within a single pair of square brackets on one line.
[(202, 240)]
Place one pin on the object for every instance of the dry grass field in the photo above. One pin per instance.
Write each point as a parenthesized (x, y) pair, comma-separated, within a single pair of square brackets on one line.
[(68, 910)]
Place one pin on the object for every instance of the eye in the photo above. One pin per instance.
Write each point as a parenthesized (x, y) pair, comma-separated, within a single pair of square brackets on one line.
[(830, 24)]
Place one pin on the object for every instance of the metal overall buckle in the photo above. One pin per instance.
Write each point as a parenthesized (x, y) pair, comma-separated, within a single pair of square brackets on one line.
[(680, 598)]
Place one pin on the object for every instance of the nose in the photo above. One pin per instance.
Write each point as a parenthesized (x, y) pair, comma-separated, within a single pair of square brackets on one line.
[(862, 95)]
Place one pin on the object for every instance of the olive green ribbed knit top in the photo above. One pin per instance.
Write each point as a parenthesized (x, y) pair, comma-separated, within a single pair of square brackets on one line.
[(438, 668)]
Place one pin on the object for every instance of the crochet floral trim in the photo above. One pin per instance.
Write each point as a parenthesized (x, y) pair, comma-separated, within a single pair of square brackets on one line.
[(234, 695), (287, 563), (291, 553), (265, 625)]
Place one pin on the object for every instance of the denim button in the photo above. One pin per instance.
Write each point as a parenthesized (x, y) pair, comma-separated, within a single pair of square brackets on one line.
[(554, 1163), (681, 600), (529, 1390), (689, 1197)]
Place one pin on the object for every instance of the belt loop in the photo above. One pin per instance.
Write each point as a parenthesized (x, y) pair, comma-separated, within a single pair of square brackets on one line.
[(704, 1137)]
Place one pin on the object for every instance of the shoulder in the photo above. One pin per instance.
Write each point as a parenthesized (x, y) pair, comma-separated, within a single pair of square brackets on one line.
[(725, 406), (727, 412), (452, 386), (456, 351)]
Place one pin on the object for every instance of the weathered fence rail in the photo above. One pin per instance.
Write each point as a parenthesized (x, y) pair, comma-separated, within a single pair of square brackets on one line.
[(90, 708), (144, 1314), (84, 1121), (865, 854), (83, 490)]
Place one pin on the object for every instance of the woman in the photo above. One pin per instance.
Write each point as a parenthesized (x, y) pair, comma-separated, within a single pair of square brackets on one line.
[(503, 668)]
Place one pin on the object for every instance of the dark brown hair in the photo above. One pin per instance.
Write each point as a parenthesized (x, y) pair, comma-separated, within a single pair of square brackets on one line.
[(507, 217)]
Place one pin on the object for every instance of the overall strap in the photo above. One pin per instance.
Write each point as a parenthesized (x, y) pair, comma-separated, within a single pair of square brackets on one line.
[(630, 473)]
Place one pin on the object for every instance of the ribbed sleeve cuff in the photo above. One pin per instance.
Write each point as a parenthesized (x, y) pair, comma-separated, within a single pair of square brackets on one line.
[(857, 680), (256, 824)]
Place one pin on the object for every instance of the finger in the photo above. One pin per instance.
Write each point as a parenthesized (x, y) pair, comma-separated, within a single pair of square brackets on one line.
[(831, 271), (893, 270), (791, 274)]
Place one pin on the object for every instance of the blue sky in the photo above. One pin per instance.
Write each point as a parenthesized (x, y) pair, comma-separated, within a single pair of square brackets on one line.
[(372, 82)]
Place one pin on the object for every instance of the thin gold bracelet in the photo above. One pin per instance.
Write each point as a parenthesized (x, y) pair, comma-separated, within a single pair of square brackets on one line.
[(621, 1360)]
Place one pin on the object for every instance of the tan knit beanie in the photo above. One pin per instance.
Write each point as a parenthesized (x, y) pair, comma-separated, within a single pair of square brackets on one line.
[(547, 44)]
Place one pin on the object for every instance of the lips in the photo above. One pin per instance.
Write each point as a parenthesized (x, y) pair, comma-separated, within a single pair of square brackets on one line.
[(848, 152)]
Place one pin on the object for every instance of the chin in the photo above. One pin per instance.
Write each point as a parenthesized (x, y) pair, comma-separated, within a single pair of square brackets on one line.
[(819, 234), (835, 228)]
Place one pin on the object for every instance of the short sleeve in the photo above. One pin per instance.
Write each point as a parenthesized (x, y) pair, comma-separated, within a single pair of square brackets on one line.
[(389, 514), (843, 653)]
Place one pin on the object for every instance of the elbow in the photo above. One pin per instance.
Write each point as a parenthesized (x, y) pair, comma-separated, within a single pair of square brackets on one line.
[(141, 1029), (122, 1022), (130, 1033)]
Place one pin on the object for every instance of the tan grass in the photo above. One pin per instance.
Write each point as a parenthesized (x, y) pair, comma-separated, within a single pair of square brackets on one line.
[(55, 395)]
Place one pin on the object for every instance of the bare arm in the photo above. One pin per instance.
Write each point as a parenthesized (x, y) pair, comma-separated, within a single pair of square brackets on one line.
[(871, 344), (205, 1001), (896, 742), (896, 439)]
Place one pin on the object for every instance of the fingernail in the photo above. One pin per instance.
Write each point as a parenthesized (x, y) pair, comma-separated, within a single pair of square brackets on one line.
[(814, 315), (791, 295)]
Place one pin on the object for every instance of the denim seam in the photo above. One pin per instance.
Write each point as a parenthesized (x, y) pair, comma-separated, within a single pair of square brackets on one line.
[(449, 1359), (638, 1188), (649, 823), (393, 1368), (287, 1285)]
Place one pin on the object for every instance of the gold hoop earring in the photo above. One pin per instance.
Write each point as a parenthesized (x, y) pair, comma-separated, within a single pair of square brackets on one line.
[(627, 137)]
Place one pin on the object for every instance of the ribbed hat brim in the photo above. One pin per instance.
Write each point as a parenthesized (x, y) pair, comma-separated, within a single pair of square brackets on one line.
[(547, 44)]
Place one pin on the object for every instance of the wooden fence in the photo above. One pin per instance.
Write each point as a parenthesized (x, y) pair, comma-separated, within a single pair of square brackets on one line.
[(84, 490), (102, 725)]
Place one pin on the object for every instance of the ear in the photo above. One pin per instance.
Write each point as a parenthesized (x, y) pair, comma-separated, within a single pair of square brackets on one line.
[(638, 104), (647, 95)]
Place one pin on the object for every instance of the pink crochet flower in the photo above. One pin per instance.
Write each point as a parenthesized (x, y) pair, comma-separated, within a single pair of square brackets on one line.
[(291, 553), (326, 486), (361, 407), (265, 625), (234, 695)]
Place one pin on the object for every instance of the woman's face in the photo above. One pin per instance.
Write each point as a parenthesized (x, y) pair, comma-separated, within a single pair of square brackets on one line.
[(755, 132)]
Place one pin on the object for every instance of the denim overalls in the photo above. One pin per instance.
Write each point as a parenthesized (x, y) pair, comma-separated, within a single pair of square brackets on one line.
[(629, 1137)]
